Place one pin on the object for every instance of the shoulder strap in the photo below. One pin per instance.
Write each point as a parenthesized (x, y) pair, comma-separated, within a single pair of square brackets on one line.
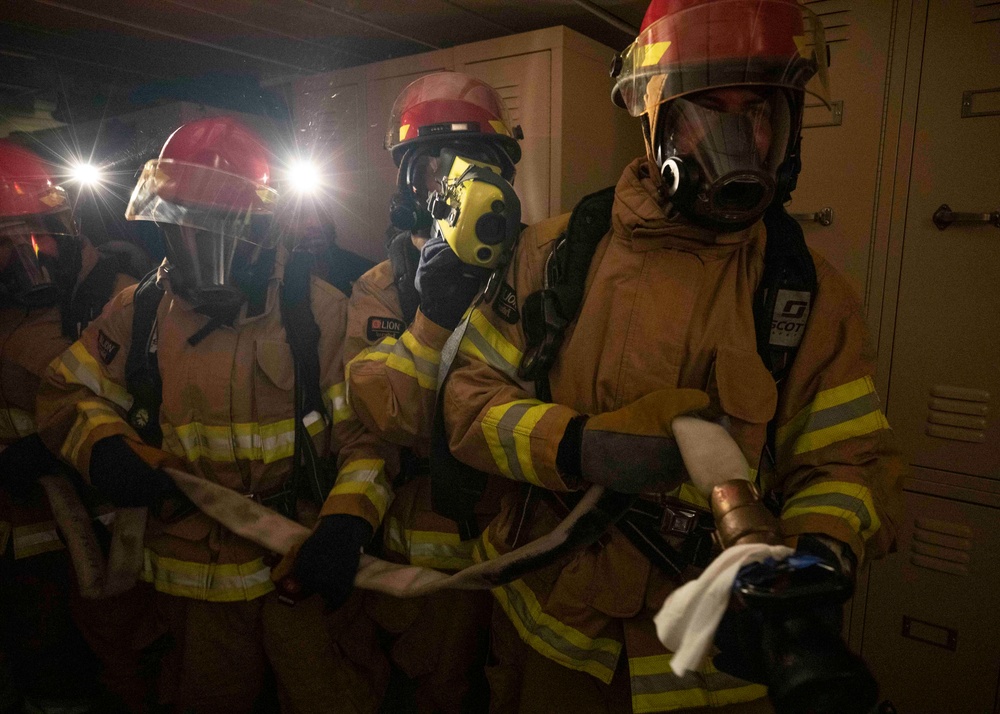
[(301, 329), (404, 257), (142, 371), (303, 334), (782, 302), (548, 312)]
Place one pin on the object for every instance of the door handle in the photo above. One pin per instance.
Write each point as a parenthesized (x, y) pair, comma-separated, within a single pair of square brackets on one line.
[(824, 216), (944, 217)]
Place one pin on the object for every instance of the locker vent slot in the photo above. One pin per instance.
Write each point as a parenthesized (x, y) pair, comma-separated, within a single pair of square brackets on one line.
[(985, 10), (511, 94), (958, 413), (941, 545)]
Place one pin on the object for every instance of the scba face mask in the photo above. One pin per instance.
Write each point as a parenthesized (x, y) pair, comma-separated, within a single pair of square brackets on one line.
[(721, 154)]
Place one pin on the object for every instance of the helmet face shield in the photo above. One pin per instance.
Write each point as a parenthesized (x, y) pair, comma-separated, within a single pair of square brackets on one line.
[(214, 223), (29, 256), (720, 152), (725, 43), (206, 265), (450, 106)]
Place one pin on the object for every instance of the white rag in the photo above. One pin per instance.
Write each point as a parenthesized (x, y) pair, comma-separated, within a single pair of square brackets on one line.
[(687, 622)]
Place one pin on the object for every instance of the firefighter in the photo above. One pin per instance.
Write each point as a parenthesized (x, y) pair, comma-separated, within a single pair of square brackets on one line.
[(665, 326), (215, 397), (53, 281), (395, 339)]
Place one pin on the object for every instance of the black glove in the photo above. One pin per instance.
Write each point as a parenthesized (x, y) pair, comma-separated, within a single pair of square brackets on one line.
[(129, 482), (23, 462), (446, 285), (328, 561)]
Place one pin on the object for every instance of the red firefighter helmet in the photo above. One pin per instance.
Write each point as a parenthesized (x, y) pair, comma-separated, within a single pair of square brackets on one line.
[(215, 165), (687, 46), (36, 228), (450, 106), (206, 190)]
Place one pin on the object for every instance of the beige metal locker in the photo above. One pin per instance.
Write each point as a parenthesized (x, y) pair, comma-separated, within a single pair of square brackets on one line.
[(945, 376), (841, 145), (932, 627)]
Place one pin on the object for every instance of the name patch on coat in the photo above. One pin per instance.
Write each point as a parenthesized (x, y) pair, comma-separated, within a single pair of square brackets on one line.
[(379, 327), (505, 304), (107, 347)]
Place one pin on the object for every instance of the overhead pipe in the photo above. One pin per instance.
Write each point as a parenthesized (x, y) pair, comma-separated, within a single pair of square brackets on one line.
[(269, 30), (369, 23), (175, 36), (612, 20)]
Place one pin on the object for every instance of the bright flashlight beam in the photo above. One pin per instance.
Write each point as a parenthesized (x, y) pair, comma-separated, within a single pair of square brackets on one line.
[(86, 174), (305, 176)]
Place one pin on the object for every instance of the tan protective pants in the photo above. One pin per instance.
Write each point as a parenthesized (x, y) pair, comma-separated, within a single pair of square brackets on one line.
[(440, 643), (525, 682), (322, 662)]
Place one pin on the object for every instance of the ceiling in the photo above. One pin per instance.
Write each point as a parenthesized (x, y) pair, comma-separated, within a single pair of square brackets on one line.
[(74, 60)]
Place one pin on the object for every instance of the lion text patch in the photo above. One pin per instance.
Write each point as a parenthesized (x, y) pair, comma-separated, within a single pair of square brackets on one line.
[(506, 304), (107, 347), (379, 327)]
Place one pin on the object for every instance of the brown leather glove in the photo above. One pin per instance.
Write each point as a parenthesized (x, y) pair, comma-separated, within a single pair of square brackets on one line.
[(633, 448)]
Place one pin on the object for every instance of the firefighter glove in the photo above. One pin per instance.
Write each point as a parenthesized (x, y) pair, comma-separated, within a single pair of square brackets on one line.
[(446, 285), (328, 560), (127, 481), (23, 462), (633, 448)]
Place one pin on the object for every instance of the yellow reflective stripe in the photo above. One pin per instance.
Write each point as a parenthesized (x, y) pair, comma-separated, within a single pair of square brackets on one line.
[(859, 426), (485, 343), (836, 414), (231, 582), (547, 635), (849, 501), (507, 429), (420, 350), (655, 688), (510, 426), (406, 356), (247, 441), (336, 403), (365, 477), (15, 423), (91, 414), (77, 366), (36, 539), (430, 549)]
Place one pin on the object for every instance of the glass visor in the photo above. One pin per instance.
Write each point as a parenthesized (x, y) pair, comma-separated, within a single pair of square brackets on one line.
[(29, 253), (723, 44)]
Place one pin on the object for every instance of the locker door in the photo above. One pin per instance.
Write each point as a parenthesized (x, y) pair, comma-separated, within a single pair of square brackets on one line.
[(932, 624), (945, 369), (841, 145), (524, 82), (381, 94)]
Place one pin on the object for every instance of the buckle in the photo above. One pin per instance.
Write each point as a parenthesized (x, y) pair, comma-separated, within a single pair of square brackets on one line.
[(678, 520)]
